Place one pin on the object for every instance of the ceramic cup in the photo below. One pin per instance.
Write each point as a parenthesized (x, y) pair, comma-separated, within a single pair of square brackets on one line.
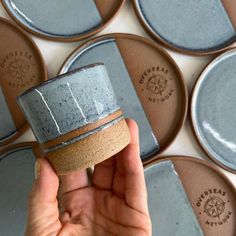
[(76, 118)]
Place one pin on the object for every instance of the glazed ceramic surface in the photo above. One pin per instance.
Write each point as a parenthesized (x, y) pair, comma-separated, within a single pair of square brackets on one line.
[(16, 178), (69, 102), (7, 125), (67, 18), (188, 24), (170, 209), (107, 52), (214, 110)]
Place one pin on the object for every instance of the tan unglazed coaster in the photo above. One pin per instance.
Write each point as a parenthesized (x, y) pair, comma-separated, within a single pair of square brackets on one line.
[(212, 195), (21, 67)]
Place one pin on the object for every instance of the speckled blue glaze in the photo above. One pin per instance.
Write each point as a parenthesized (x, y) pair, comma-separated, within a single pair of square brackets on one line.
[(67, 18), (7, 125), (107, 52), (16, 179), (170, 210), (69, 102), (214, 109), (189, 24)]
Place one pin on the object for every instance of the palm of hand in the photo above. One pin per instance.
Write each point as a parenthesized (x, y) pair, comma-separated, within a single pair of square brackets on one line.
[(100, 212), (104, 209)]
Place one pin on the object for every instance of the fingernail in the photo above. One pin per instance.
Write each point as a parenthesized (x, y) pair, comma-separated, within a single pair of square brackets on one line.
[(37, 169)]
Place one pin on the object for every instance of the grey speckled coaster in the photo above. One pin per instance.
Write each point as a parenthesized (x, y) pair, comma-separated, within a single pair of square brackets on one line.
[(65, 18), (170, 209), (214, 109), (106, 51), (188, 24), (16, 178)]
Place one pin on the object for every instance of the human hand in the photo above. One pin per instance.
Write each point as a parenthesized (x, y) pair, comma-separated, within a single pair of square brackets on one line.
[(114, 204)]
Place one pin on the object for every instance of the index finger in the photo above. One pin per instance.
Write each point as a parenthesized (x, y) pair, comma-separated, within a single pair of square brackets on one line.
[(135, 187)]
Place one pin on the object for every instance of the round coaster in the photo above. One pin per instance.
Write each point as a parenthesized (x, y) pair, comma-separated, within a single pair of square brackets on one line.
[(196, 27), (213, 110), (147, 82), (16, 177), (67, 20), (21, 67), (210, 194)]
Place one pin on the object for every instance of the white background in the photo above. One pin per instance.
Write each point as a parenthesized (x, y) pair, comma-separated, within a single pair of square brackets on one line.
[(127, 22)]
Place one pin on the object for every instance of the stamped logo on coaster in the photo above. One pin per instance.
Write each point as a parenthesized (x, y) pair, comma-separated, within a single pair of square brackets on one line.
[(213, 205), (18, 65), (156, 82)]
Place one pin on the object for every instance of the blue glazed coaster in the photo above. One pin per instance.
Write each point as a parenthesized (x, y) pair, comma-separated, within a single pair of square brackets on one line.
[(213, 110), (194, 26), (62, 20), (170, 209), (7, 126), (188, 196), (16, 178)]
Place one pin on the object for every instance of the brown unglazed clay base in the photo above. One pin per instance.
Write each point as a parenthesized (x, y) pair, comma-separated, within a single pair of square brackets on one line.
[(21, 67), (206, 185), (91, 150)]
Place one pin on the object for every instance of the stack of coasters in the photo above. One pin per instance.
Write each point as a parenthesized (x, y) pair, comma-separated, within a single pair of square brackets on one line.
[(187, 196), (21, 67), (196, 27), (67, 20), (147, 82)]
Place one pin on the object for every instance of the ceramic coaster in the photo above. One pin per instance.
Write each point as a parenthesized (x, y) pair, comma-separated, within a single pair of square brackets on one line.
[(21, 67), (147, 82), (197, 27), (67, 20), (213, 110), (165, 187), (16, 177), (187, 196)]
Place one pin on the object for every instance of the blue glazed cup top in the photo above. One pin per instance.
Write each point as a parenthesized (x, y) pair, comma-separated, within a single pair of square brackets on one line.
[(68, 102)]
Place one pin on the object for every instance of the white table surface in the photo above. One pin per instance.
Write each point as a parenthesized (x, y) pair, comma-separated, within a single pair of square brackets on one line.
[(55, 54)]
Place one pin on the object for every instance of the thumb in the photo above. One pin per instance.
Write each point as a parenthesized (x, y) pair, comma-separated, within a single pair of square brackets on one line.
[(43, 213)]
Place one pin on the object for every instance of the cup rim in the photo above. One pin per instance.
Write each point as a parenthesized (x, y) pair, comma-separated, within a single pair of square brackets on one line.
[(59, 77)]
